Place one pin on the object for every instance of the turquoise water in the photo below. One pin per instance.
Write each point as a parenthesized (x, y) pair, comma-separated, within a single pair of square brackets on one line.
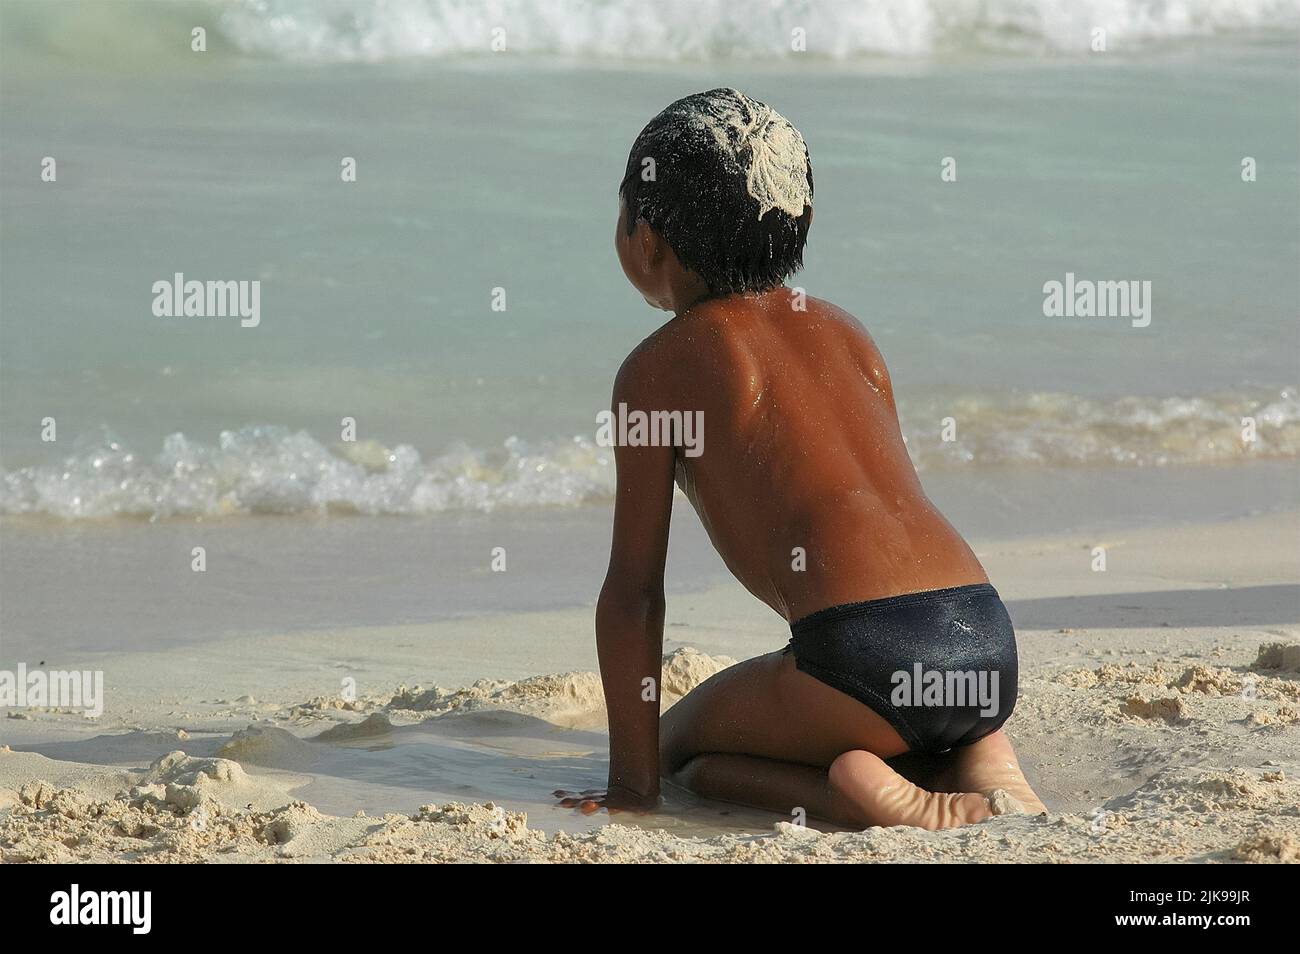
[(479, 171)]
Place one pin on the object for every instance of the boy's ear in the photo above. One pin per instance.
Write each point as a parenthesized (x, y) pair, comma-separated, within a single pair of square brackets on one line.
[(650, 242)]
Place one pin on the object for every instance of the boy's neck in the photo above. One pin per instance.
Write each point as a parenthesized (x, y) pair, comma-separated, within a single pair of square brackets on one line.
[(703, 295)]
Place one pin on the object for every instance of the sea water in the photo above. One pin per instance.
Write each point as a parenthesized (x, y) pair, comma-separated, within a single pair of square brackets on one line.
[(460, 302), (436, 340)]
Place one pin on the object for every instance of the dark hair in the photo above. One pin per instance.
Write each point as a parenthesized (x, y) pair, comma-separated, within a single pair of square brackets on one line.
[(700, 197)]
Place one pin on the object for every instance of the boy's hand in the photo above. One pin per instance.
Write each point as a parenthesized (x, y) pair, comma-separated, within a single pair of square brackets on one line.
[(612, 800)]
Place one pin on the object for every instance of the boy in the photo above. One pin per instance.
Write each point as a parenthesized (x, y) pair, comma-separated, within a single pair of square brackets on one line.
[(898, 643)]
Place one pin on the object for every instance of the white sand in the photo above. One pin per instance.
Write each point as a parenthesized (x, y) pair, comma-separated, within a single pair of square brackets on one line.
[(1149, 720)]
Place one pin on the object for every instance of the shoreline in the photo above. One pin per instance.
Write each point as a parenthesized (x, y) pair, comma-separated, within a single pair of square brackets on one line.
[(137, 591)]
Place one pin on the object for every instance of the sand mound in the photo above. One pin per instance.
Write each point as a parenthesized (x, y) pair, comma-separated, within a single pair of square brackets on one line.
[(1280, 656), (570, 699), (1213, 791), (375, 725), (180, 809), (1199, 679), (1209, 680), (1112, 675), (319, 707), (1269, 846), (686, 668), (289, 823), (1171, 710), (269, 746), (1283, 716), (188, 784)]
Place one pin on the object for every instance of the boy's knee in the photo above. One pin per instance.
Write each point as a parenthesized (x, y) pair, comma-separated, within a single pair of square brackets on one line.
[(675, 748), (689, 775), (671, 758)]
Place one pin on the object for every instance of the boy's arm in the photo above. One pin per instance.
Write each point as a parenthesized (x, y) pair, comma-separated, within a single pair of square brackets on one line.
[(630, 612)]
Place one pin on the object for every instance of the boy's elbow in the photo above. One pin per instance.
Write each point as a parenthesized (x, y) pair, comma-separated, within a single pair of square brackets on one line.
[(621, 609)]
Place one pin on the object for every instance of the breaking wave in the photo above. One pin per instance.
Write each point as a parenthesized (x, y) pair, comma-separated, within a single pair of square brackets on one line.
[(326, 31), (712, 29), (275, 470)]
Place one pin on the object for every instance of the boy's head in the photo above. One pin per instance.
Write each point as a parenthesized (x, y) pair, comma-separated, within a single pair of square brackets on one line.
[(726, 182)]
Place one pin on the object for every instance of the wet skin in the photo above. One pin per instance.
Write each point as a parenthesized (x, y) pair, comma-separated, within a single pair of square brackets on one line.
[(807, 492)]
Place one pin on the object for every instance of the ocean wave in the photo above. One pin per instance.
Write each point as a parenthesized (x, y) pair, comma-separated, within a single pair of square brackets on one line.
[(275, 470), (599, 30), (710, 29), (1064, 430)]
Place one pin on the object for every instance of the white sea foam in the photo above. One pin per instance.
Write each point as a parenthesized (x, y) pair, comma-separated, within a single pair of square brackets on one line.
[(369, 30), (275, 470), (125, 32), (1064, 430)]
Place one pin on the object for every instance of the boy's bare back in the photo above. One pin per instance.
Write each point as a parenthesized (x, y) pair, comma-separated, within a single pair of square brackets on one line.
[(804, 483)]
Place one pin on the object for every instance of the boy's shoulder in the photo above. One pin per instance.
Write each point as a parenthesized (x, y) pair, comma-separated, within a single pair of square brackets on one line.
[(647, 366), (715, 338), (682, 343)]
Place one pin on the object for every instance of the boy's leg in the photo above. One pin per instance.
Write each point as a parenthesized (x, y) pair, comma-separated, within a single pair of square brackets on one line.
[(781, 787), (766, 707), (859, 791), (763, 733)]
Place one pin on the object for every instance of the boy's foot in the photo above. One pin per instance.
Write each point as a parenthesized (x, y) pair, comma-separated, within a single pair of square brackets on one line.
[(990, 766), (866, 792), (981, 780)]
